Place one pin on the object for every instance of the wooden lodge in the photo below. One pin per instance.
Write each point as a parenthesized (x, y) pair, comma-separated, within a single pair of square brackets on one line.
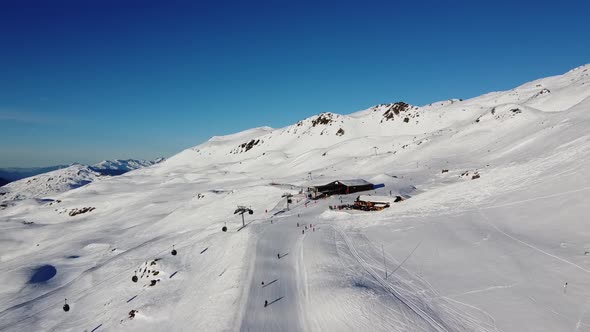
[(372, 203)]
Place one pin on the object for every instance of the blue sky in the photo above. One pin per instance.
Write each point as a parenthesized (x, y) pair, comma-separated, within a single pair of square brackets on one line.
[(83, 81)]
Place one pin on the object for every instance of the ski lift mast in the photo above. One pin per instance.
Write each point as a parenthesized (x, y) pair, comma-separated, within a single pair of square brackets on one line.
[(241, 210)]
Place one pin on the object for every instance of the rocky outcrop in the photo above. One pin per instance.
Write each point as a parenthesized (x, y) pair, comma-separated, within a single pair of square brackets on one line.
[(399, 109), (76, 211), (245, 147), (323, 119)]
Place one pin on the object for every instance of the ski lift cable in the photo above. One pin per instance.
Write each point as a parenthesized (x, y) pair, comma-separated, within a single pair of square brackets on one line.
[(78, 295)]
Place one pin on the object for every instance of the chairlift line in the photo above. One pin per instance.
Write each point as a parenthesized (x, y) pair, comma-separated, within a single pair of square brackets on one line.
[(241, 210), (66, 307)]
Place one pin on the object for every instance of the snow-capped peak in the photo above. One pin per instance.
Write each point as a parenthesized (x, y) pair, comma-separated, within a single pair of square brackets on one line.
[(125, 165)]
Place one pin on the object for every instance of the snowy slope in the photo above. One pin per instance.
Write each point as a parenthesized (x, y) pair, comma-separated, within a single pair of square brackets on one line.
[(54, 182), (491, 252), (17, 173), (49, 184)]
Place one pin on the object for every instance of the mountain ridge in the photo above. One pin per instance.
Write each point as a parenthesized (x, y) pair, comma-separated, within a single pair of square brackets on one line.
[(67, 178)]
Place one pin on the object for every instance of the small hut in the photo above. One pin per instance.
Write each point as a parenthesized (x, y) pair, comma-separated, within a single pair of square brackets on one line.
[(372, 203)]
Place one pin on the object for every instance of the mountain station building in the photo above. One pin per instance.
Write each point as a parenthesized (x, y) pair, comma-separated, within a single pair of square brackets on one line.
[(340, 187)]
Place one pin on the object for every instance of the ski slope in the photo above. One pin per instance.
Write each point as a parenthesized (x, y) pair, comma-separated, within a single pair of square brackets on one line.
[(462, 253)]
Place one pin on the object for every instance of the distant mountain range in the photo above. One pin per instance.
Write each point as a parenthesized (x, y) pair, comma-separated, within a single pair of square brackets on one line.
[(118, 166), (16, 173), (57, 179), (105, 167)]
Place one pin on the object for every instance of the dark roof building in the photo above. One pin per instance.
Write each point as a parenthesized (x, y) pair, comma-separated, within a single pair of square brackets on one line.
[(340, 187)]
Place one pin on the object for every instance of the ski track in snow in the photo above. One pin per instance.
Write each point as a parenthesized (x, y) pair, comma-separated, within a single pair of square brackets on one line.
[(416, 305), (533, 247)]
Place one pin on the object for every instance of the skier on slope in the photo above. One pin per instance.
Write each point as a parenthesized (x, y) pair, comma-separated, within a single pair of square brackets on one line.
[(265, 303), (279, 256)]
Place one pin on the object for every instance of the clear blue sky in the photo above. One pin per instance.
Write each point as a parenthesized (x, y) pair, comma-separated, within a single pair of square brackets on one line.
[(90, 80)]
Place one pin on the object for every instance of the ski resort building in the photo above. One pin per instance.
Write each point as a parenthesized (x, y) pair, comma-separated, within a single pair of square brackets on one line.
[(340, 187), (372, 203)]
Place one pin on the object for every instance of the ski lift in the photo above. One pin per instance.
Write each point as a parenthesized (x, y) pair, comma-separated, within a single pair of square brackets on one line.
[(174, 252), (241, 210), (66, 306)]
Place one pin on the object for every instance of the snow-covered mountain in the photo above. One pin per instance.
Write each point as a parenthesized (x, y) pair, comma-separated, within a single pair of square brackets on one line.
[(48, 184), (16, 173), (105, 167), (492, 236), (119, 166), (74, 176)]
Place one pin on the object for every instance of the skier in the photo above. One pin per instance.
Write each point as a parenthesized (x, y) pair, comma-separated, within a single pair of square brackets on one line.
[(265, 303), (565, 288), (297, 224), (303, 231), (263, 283), (279, 256)]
